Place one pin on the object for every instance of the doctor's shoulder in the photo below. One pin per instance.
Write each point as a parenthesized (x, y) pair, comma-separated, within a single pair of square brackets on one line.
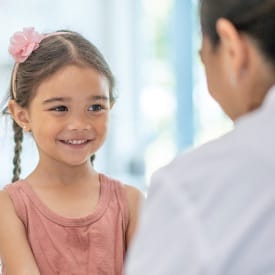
[(196, 166)]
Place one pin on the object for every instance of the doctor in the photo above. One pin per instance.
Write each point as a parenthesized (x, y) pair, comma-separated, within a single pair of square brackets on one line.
[(212, 211)]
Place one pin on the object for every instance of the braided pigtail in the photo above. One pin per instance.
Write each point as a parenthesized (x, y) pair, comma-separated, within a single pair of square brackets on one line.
[(38, 57), (92, 159), (18, 139)]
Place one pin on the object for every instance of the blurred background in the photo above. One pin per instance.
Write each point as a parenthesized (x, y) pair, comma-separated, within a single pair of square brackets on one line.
[(152, 46)]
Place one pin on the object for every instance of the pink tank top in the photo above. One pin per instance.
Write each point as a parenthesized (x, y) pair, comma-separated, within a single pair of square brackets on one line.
[(92, 245)]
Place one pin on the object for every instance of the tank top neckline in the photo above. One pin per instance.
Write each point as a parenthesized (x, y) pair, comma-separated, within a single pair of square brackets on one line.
[(101, 206)]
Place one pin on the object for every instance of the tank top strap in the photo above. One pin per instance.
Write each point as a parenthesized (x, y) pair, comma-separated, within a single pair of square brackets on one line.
[(121, 195), (15, 193)]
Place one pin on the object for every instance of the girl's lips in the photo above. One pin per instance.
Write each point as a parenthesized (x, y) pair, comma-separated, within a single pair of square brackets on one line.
[(76, 141)]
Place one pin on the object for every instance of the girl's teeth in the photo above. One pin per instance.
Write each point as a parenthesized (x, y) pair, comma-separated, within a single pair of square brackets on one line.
[(76, 141)]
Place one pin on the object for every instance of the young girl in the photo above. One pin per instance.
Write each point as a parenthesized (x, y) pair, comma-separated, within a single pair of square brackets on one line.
[(63, 218)]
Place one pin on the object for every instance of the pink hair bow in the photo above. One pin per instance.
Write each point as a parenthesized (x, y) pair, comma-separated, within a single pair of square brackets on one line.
[(22, 44)]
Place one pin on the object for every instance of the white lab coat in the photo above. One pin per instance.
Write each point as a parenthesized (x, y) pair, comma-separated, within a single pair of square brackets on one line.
[(212, 211)]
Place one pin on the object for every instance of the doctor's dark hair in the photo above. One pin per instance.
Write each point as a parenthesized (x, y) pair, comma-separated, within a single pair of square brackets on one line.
[(54, 52), (255, 18)]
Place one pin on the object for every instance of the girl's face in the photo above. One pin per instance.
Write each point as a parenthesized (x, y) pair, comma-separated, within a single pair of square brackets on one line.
[(68, 116)]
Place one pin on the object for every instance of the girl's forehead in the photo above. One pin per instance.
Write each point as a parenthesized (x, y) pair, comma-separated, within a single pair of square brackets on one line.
[(75, 70), (73, 85), (74, 79)]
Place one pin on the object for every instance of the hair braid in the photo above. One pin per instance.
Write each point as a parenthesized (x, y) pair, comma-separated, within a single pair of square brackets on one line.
[(18, 139), (55, 51)]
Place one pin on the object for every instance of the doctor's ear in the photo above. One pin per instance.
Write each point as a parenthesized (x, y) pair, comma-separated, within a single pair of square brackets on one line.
[(233, 45), (19, 114)]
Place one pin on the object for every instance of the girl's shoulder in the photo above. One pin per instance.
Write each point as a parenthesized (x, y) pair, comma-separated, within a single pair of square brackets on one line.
[(8, 214), (133, 194), (13, 187), (13, 239), (13, 196), (133, 198), (5, 201), (7, 198)]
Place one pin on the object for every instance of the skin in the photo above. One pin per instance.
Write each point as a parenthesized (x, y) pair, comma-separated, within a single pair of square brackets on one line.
[(238, 75), (73, 108)]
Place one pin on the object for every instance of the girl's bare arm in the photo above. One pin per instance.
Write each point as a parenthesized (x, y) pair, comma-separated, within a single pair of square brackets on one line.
[(134, 199), (15, 252)]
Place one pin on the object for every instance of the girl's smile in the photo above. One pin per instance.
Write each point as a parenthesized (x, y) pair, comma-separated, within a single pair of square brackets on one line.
[(76, 144), (74, 106), (75, 141)]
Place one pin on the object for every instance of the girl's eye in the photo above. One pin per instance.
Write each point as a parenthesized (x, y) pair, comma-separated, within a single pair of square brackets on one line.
[(96, 108), (59, 109)]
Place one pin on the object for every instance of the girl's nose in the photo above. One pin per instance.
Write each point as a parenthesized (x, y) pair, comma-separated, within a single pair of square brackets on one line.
[(79, 122)]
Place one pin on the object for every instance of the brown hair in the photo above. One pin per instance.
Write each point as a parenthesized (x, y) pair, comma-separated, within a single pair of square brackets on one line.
[(253, 17), (53, 53)]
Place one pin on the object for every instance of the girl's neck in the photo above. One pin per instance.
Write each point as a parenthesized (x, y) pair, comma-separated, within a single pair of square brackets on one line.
[(62, 174)]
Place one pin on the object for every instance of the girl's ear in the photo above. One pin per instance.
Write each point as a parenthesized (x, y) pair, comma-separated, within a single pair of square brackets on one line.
[(20, 115), (233, 46)]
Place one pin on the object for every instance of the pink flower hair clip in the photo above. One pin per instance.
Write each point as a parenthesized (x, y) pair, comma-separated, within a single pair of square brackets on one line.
[(22, 44)]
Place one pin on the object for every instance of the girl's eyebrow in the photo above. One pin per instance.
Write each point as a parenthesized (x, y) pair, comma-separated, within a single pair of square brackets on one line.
[(66, 99), (100, 97), (55, 99)]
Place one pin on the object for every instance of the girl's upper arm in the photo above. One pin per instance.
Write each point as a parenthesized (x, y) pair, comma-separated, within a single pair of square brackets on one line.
[(134, 197), (15, 252)]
